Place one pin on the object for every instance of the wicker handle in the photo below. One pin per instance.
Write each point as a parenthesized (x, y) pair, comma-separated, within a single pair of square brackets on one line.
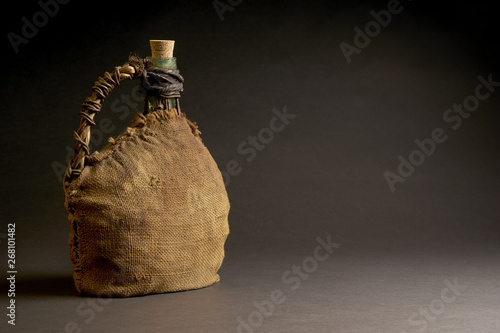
[(92, 105)]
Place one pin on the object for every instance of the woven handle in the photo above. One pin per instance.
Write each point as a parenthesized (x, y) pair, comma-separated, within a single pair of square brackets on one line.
[(92, 105)]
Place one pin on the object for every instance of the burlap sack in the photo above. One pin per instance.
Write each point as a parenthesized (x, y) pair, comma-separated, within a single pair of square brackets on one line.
[(149, 212)]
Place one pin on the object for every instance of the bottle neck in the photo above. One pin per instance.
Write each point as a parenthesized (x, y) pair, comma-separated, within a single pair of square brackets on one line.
[(154, 103)]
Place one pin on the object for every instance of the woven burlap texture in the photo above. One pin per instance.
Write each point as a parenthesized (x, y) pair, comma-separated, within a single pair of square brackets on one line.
[(149, 212)]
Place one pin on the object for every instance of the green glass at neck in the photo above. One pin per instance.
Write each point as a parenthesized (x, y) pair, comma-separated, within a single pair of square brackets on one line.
[(167, 63)]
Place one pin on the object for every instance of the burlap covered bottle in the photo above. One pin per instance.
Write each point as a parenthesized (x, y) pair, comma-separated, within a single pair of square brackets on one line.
[(149, 212)]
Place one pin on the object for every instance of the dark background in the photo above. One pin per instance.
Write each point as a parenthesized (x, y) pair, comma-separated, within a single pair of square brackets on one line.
[(322, 175)]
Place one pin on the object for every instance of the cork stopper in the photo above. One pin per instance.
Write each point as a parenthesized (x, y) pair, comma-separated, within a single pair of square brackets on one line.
[(162, 48)]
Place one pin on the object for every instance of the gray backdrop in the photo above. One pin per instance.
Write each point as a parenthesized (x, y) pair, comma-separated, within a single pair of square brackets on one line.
[(385, 141)]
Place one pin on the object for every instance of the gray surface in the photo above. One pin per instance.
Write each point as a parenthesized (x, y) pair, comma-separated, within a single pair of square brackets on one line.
[(321, 175), (378, 292)]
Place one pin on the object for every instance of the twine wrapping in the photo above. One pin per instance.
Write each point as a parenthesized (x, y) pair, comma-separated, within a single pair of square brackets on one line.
[(162, 82)]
